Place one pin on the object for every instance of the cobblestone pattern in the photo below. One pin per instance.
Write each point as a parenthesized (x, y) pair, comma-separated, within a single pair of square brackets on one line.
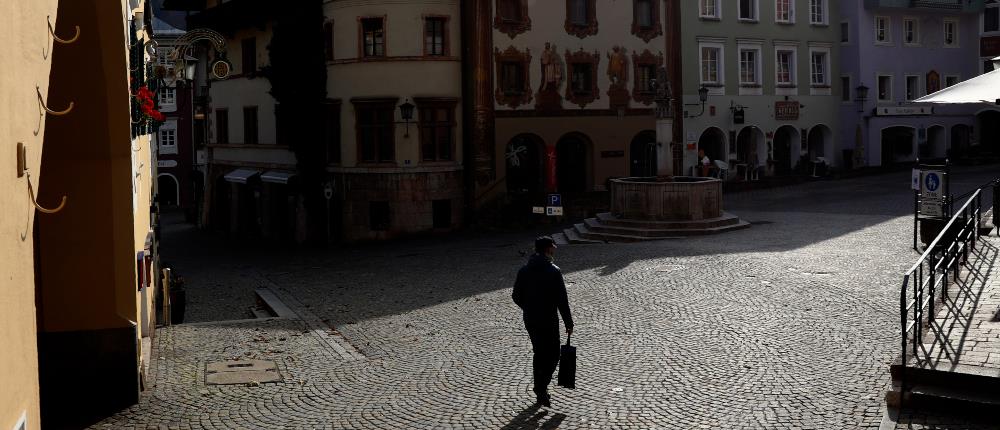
[(789, 324)]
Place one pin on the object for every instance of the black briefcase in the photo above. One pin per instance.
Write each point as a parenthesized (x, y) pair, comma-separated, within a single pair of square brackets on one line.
[(567, 365)]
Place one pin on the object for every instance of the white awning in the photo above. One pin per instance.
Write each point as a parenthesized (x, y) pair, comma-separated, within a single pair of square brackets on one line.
[(277, 176), (983, 89), (241, 176)]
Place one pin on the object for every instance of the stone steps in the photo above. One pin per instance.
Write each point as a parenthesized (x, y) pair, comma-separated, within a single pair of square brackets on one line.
[(961, 390), (607, 228), (725, 220)]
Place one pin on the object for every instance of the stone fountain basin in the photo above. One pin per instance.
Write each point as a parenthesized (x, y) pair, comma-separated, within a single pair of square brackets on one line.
[(678, 198)]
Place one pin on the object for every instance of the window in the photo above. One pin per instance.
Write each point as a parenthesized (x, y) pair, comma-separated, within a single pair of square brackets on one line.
[(646, 19), (819, 71), (222, 126), (512, 78), (884, 88), (328, 40), (710, 9), (646, 66), (168, 96), (882, 29), (437, 130), (817, 12), (647, 73), (581, 17), (845, 32), (991, 17), (578, 13), (988, 65), (582, 79), (912, 87), (163, 56), (376, 130), (950, 80), (711, 65), (249, 55), (748, 66), (442, 213), (785, 68), (435, 39), (950, 33), (644, 13), (167, 140), (510, 10), (250, 125), (378, 216), (911, 31), (748, 10), (845, 88), (784, 11), (373, 35), (331, 132), (512, 17)]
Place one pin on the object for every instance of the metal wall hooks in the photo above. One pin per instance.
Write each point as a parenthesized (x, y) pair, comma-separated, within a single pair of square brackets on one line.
[(31, 193), (52, 31), (41, 102)]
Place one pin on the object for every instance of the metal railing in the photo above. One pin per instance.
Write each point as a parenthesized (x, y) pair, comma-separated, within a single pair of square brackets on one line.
[(929, 275)]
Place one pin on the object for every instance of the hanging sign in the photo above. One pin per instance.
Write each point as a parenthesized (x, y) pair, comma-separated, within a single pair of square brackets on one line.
[(786, 111), (221, 69)]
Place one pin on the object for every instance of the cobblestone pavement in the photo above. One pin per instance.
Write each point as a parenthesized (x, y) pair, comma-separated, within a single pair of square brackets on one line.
[(788, 324)]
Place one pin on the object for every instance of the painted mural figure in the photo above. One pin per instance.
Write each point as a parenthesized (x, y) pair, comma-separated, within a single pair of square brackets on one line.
[(617, 65), (551, 68)]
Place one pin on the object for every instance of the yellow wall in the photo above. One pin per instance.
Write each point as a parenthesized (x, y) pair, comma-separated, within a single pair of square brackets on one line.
[(23, 40)]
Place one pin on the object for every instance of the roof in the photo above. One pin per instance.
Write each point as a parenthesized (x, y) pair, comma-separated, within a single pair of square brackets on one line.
[(983, 89)]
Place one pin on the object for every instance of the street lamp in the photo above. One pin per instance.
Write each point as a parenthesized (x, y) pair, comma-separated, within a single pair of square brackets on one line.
[(702, 97), (861, 95), (406, 112)]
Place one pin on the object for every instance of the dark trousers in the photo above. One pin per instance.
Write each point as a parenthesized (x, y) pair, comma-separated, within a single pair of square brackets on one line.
[(545, 344)]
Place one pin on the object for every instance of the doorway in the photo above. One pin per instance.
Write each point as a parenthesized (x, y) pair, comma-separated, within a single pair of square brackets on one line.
[(642, 154), (573, 163)]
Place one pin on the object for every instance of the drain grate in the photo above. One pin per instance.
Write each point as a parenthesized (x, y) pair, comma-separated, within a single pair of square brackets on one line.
[(241, 372)]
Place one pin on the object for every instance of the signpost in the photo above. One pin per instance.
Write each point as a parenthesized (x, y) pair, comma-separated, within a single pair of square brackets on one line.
[(554, 207), (931, 195)]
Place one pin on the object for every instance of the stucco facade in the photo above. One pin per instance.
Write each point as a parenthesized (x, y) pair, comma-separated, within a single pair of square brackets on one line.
[(790, 114), (899, 64)]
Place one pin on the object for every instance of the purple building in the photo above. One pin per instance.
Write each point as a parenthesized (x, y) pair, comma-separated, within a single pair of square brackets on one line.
[(901, 50)]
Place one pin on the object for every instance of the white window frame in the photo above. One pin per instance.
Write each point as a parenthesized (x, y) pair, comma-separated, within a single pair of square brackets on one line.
[(944, 31), (821, 88), (878, 80), (717, 15), (916, 31), (888, 30), (825, 7), (756, 11), (850, 89), (756, 87), (167, 104), (791, 12), (781, 88), (990, 4), (161, 147), (917, 92), (161, 56), (718, 87), (957, 80)]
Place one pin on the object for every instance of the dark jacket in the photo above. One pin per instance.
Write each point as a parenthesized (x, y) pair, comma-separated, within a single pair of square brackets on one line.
[(540, 291)]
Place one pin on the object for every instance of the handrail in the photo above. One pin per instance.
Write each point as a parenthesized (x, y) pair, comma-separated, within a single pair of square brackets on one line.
[(939, 257)]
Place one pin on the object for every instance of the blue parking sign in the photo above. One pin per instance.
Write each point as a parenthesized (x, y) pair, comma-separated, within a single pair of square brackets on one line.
[(555, 200)]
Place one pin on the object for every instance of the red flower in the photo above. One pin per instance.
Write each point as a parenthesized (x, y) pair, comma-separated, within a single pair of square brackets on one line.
[(157, 116)]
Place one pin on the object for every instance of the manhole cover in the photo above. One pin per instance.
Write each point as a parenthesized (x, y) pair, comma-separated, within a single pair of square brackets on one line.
[(241, 372)]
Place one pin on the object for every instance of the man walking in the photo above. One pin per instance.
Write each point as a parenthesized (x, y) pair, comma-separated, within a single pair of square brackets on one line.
[(540, 292)]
